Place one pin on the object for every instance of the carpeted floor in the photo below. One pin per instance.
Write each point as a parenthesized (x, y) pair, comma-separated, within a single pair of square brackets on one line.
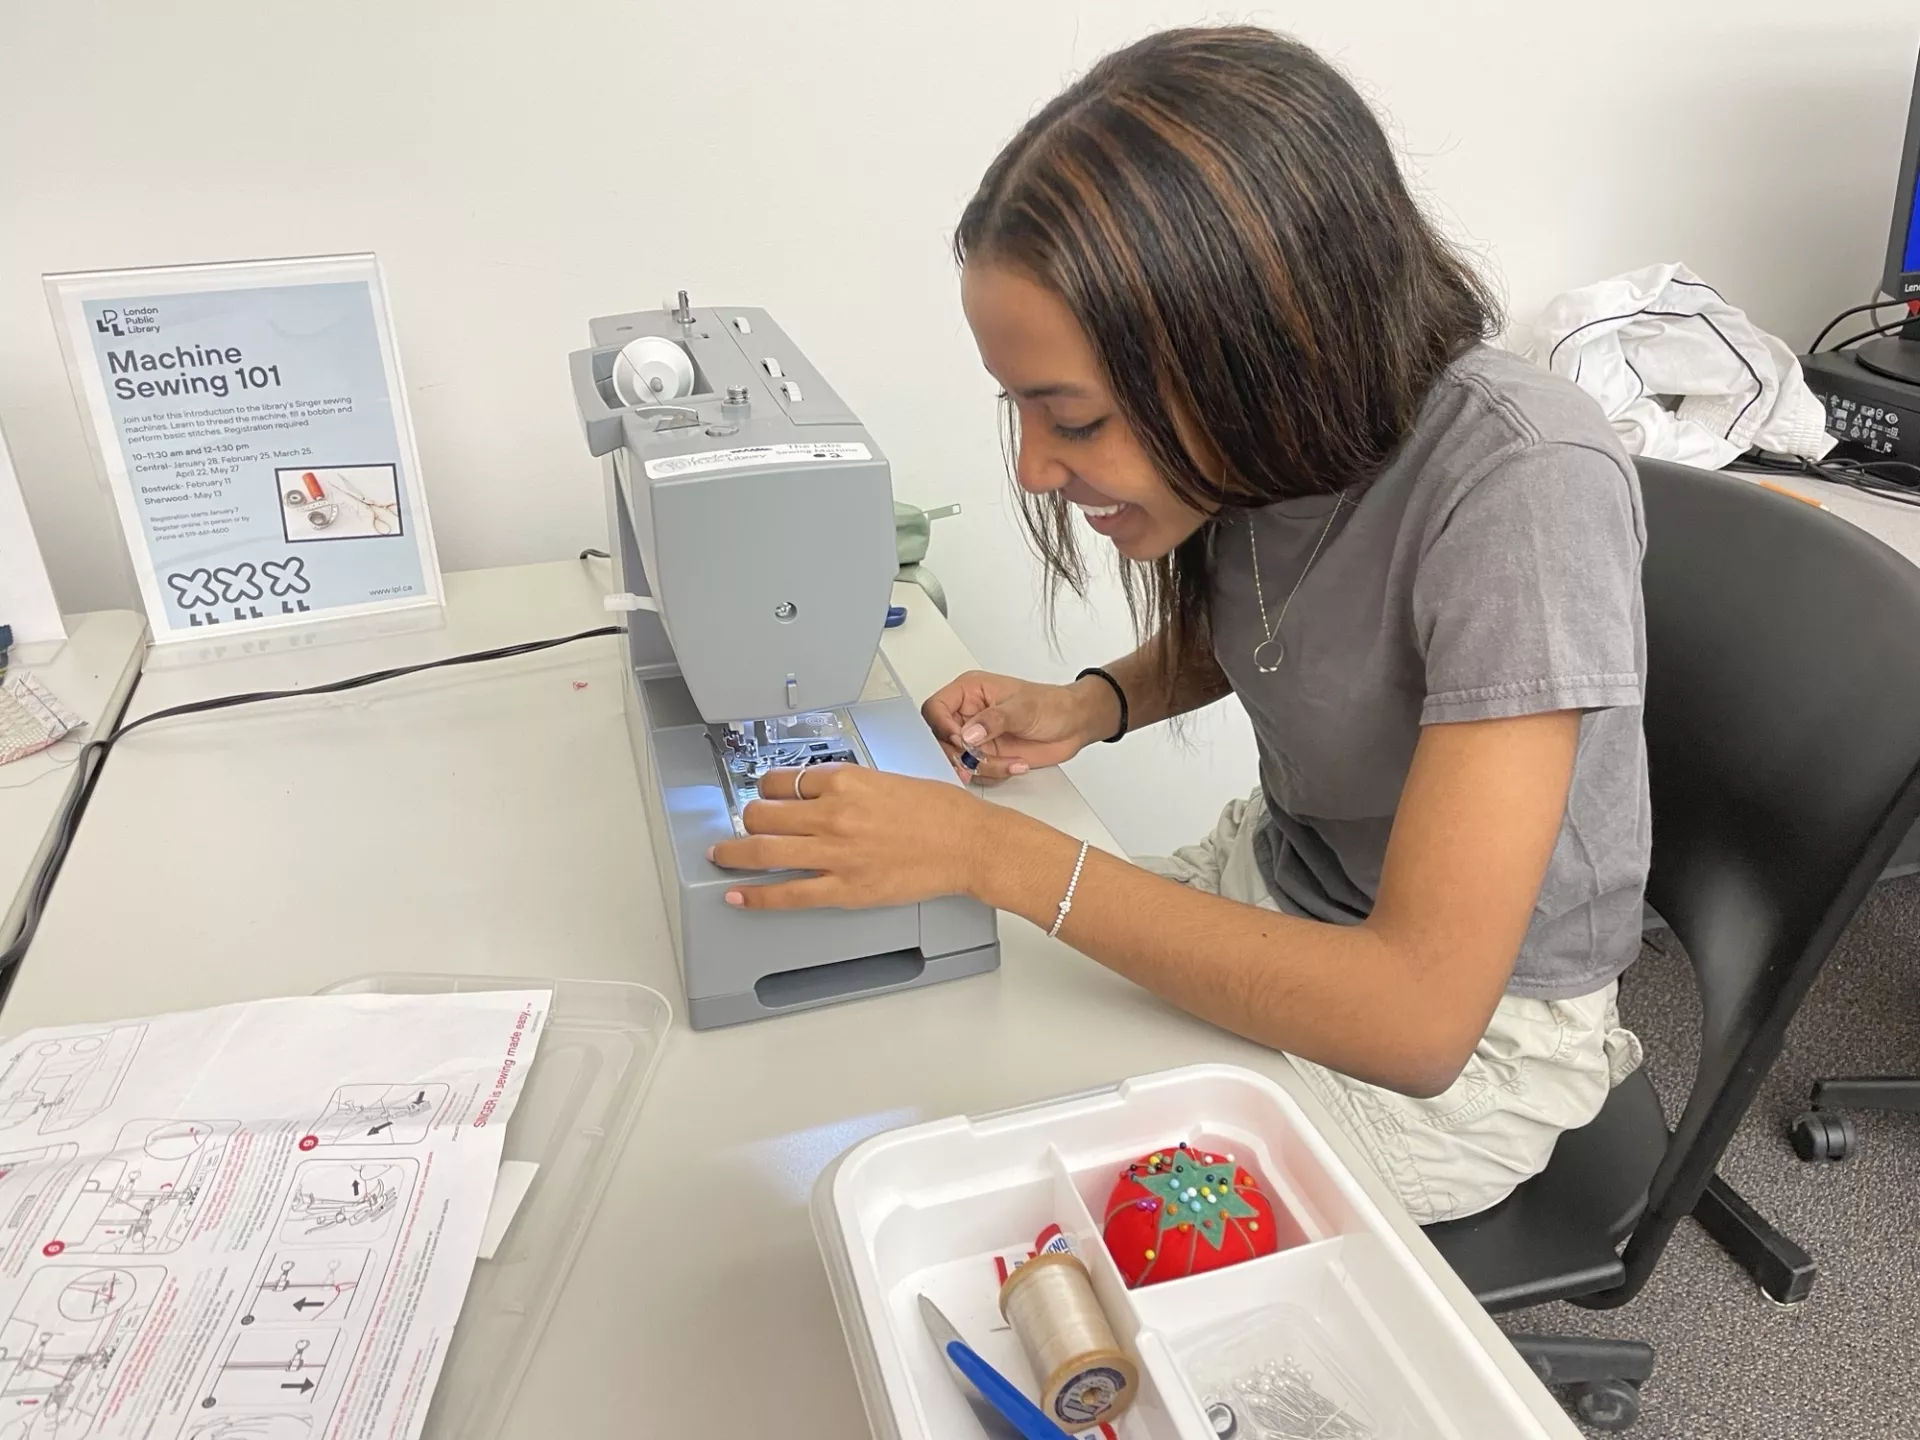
[(1846, 1364)]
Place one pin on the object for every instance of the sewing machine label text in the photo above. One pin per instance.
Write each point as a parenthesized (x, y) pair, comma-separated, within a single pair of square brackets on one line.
[(257, 442), (741, 456)]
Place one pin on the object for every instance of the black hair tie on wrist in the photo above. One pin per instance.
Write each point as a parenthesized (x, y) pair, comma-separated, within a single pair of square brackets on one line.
[(1118, 694)]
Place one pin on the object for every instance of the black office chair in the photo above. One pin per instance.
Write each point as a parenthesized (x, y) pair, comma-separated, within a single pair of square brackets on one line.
[(1823, 1132), (1783, 736)]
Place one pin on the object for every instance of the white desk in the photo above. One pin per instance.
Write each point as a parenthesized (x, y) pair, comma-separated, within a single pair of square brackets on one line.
[(92, 674), (1896, 524), (487, 820)]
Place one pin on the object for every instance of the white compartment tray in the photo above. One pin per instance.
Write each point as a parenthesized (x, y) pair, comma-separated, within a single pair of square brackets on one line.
[(930, 1207)]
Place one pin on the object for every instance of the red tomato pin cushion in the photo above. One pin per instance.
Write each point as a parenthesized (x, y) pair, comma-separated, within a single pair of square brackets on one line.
[(1183, 1212)]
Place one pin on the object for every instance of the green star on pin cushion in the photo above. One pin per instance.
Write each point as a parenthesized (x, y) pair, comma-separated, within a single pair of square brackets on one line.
[(1182, 1211)]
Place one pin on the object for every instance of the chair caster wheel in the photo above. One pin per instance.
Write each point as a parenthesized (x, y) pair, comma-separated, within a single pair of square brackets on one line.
[(1606, 1404), (1819, 1136)]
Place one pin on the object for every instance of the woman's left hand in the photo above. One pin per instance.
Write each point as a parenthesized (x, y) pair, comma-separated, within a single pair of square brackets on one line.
[(874, 839)]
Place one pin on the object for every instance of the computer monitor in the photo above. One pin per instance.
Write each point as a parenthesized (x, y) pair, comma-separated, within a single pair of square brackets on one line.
[(1903, 247), (1897, 356)]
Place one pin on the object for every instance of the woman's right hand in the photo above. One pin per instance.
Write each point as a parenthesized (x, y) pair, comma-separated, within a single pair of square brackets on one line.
[(1012, 726)]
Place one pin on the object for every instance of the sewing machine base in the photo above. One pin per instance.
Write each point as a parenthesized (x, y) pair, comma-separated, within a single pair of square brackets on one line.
[(808, 989), (740, 965)]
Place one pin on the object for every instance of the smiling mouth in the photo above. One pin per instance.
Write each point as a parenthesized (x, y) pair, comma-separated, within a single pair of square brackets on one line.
[(1098, 512)]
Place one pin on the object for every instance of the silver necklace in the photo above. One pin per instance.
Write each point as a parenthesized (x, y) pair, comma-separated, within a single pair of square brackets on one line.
[(1272, 631)]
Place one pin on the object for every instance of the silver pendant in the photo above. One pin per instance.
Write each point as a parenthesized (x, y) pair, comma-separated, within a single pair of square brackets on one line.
[(1279, 658)]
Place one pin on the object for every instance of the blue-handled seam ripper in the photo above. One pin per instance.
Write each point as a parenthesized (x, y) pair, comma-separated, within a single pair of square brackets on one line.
[(997, 1403)]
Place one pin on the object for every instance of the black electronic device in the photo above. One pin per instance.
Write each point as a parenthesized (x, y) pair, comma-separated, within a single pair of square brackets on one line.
[(1874, 417), (1872, 390)]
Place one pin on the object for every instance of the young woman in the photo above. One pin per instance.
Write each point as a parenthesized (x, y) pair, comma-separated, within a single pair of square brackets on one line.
[(1237, 352)]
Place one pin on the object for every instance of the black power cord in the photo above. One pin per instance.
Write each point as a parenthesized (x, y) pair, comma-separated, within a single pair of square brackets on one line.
[(1875, 306), (1895, 480), (1886, 329), (93, 756)]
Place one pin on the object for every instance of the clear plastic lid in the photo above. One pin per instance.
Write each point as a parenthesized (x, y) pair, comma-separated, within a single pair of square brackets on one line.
[(596, 1058)]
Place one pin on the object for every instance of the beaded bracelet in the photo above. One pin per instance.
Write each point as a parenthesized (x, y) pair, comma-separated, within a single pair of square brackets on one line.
[(1066, 901)]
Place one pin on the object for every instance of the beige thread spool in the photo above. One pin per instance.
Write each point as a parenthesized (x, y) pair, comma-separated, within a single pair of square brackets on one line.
[(1085, 1379)]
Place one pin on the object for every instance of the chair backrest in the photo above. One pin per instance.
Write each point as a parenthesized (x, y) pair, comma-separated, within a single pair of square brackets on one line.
[(1783, 743)]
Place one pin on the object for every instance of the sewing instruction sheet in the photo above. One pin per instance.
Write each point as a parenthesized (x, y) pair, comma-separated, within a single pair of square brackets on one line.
[(251, 422), (251, 1223)]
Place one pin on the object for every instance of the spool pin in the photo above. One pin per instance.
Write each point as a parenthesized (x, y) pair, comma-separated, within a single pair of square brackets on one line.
[(652, 369), (1085, 1378)]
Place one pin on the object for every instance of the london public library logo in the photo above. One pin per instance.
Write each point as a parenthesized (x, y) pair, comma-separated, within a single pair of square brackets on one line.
[(140, 320)]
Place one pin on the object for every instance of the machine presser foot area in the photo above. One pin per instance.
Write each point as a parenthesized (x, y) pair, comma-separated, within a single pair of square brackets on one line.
[(747, 749)]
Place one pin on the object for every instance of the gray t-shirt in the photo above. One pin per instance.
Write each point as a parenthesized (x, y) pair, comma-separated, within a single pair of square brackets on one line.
[(1491, 570)]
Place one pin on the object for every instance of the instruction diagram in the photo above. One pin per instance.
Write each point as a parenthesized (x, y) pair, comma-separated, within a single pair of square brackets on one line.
[(63, 1343), (142, 1199), (307, 1284), (253, 1427), (66, 1082), (178, 1263), (271, 1367), (46, 1155), (25, 1177), (345, 1199), (376, 1115)]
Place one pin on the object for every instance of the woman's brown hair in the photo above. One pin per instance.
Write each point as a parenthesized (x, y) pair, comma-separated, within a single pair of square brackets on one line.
[(1224, 217)]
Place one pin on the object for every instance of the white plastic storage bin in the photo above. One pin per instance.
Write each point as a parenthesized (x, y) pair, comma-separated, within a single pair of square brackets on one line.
[(595, 1061), (931, 1208)]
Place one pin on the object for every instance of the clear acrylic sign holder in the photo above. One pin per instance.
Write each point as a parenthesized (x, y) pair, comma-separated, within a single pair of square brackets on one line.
[(250, 423)]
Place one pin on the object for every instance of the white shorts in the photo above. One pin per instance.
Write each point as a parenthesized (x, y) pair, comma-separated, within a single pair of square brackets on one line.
[(1543, 1066)]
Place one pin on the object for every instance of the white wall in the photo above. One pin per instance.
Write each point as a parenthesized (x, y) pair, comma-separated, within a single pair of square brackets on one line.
[(520, 167)]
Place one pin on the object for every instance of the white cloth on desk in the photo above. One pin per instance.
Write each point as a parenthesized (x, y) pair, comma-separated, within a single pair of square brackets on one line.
[(1682, 374)]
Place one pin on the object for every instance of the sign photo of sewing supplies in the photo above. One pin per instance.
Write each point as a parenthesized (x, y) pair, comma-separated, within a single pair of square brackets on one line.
[(239, 414), (351, 502)]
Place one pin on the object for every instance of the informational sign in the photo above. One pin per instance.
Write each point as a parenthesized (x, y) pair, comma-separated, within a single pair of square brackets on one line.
[(26, 599), (252, 423)]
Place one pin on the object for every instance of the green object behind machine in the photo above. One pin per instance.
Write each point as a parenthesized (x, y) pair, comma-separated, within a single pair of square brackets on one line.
[(912, 533)]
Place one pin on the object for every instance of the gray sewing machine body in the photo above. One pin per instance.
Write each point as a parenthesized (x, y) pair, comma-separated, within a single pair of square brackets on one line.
[(751, 519)]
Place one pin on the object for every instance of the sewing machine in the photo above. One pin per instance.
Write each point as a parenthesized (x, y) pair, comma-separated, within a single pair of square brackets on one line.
[(752, 536)]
